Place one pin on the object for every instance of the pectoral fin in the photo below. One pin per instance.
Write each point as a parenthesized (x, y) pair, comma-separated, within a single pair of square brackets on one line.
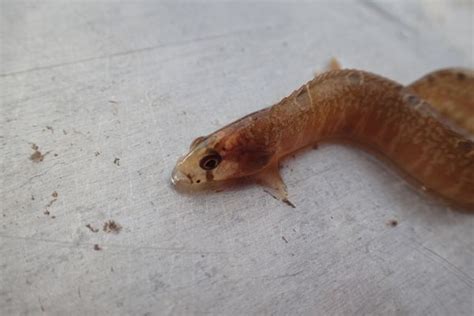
[(271, 179)]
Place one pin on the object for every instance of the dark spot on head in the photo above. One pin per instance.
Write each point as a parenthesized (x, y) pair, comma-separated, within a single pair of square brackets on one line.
[(412, 99), (209, 176), (198, 181), (431, 79), (461, 76)]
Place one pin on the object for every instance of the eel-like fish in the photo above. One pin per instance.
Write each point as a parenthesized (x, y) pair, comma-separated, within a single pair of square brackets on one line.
[(426, 129)]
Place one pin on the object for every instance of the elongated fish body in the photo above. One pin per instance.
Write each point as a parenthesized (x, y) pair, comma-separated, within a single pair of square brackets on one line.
[(425, 129)]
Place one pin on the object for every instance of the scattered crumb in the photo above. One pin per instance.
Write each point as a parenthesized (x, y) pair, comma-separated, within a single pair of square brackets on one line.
[(37, 156), (64, 132), (392, 223), (113, 101), (117, 161), (55, 155), (46, 212), (92, 229), (51, 202), (32, 197), (97, 153), (284, 239), (97, 247), (50, 128), (53, 217), (54, 194), (112, 227)]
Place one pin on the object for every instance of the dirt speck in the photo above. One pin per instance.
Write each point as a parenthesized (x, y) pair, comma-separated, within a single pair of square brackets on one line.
[(92, 229), (64, 132), (392, 223), (97, 247), (97, 153), (32, 197), (51, 202), (112, 227), (37, 156), (50, 128), (46, 212), (284, 239), (117, 161), (54, 194)]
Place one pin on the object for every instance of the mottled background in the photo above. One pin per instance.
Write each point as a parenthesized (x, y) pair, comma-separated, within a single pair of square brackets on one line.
[(98, 100)]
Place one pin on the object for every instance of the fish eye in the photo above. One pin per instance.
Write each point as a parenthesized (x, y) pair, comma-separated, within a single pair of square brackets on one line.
[(210, 162)]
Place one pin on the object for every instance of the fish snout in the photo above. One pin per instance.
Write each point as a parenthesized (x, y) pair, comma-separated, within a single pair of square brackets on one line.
[(179, 178)]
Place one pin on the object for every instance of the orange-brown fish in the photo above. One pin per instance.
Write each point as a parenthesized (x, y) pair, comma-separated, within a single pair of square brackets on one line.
[(426, 129)]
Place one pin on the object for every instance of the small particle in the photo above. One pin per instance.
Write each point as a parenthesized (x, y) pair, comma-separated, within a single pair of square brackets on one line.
[(54, 194), (97, 153), (51, 202), (37, 156), (55, 155), (392, 223), (113, 101), (112, 269), (53, 217), (97, 247), (117, 161), (46, 212), (284, 239), (64, 132), (112, 227), (50, 129), (32, 197), (92, 229)]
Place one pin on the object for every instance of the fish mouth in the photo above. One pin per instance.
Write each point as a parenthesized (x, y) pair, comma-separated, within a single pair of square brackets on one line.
[(178, 178)]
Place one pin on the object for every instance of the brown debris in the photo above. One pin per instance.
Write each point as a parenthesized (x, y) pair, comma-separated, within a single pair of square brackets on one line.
[(112, 227), (117, 161), (92, 229), (392, 223), (37, 156), (284, 239), (54, 194), (97, 247)]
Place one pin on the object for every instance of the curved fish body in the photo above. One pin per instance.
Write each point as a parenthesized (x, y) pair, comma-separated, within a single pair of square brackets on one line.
[(425, 129)]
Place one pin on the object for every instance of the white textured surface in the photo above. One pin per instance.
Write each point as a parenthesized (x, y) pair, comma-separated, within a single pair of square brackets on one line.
[(138, 81)]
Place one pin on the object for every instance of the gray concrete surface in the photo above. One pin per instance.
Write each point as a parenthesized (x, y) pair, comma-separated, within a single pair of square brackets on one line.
[(92, 82)]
